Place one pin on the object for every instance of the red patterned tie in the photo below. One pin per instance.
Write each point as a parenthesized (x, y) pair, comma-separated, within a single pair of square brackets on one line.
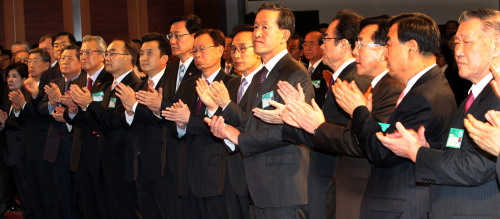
[(89, 84), (470, 99)]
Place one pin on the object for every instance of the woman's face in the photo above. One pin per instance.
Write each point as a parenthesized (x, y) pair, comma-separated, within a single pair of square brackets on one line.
[(14, 80)]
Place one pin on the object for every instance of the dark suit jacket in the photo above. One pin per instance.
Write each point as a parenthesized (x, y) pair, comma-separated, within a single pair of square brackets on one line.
[(49, 75), (203, 159), (321, 89), (118, 143), (391, 191), (85, 144), (173, 144), (276, 171), (12, 134), (462, 179), (57, 130)]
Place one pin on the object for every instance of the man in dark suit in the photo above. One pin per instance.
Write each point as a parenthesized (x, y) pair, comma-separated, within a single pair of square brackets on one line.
[(266, 158), (314, 53), (85, 152), (145, 118), (61, 40), (118, 143), (203, 160), (462, 176), (336, 139), (59, 138), (181, 38), (427, 100)]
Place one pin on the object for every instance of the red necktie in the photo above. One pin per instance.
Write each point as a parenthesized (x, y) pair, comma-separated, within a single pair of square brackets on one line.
[(470, 99), (89, 84), (401, 96)]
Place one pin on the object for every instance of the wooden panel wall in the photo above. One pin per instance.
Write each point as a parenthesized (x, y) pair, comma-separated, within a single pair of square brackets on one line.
[(40, 19)]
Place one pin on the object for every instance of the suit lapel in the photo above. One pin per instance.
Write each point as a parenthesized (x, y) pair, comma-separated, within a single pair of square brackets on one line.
[(270, 81)]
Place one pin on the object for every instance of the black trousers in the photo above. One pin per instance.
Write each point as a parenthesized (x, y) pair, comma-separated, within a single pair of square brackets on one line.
[(122, 199), (90, 189), (154, 196)]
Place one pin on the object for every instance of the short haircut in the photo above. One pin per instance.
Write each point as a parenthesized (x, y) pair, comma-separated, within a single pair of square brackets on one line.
[(286, 19), (216, 35), (20, 67), (193, 22), (137, 41), (101, 44), (45, 37), (7, 52), (26, 45), (418, 27), (451, 22), (130, 49), (489, 17), (320, 41), (382, 22), (43, 53), (242, 28), (348, 26), (72, 47), (163, 43), (297, 37), (71, 38)]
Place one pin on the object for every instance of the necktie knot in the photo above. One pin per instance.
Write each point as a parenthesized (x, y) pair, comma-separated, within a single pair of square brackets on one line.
[(114, 85), (311, 69), (151, 83)]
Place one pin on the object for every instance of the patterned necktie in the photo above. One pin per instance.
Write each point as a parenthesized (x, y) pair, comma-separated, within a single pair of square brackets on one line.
[(228, 69), (241, 90), (470, 99), (151, 83), (311, 70), (368, 91), (114, 85), (262, 77), (181, 75), (89, 83), (199, 103)]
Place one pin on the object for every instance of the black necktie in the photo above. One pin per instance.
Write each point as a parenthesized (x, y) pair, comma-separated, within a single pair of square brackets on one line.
[(262, 77)]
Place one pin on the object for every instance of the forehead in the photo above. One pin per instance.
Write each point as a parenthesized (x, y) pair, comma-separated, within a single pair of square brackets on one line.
[(117, 45), (203, 39), (46, 42), (35, 56), (69, 52), (294, 42), (313, 36), (89, 44), (367, 32), (150, 45), (243, 37), (178, 27), (332, 27), (22, 54), (471, 27), (267, 17)]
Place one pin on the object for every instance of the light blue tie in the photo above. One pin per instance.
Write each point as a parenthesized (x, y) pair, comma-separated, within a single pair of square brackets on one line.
[(181, 75)]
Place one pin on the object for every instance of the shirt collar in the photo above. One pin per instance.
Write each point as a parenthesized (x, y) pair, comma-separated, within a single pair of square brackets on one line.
[(377, 79), (339, 70), (186, 63), (271, 63), (415, 78), (211, 78), (53, 63), (315, 65), (157, 77), (96, 74), (477, 88), (119, 79), (249, 77)]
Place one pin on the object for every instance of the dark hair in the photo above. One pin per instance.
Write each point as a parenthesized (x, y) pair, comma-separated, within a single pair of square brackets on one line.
[(216, 35), (163, 43), (71, 38), (320, 41), (193, 22), (348, 26), (130, 49), (7, 52), (450, 22), (297, 37), (43, 53), (418, 27), (489, 18), (322, 25), (20, 67), (286, 19), (242, 28), (72, 47), (137, 41), (45, 37), (382, 22)]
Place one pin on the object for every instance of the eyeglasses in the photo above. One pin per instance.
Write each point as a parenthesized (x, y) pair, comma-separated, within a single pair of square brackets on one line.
[(324, 39), (88, 52), (309, 44), (111, 54), (201, 49), (67, 58), (30, 61), (241, 49), (360, 44), (172, 36)]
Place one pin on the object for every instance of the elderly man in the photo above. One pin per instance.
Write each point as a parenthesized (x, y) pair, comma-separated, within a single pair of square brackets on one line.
[(461, 175)]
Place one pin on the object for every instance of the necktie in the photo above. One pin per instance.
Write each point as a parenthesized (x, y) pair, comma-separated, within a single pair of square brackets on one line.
[(368, 91), (181, 75), (199, 103), (89, 83), (228, 68), (332, 81), (311, 70), (66, 86), (262, 77), (151, 83), (401, 96), (114, 85), (241, 90), (470, 99)]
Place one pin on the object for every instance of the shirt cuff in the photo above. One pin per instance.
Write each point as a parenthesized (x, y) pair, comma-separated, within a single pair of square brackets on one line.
[(223, 108), (230, 145), (71, 115), (51, 108), (211, 113), (181, 132)]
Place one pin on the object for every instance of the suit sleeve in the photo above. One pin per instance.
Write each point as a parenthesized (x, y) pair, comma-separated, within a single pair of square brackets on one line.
[(108, 118), (234, 115), (269, 137)]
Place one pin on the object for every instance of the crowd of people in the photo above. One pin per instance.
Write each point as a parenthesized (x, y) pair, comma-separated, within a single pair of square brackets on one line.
[(358, 119)]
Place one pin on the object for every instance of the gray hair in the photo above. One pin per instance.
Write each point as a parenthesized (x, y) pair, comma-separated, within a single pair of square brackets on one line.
[(101, 44), (23, 43), (489, 17)]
